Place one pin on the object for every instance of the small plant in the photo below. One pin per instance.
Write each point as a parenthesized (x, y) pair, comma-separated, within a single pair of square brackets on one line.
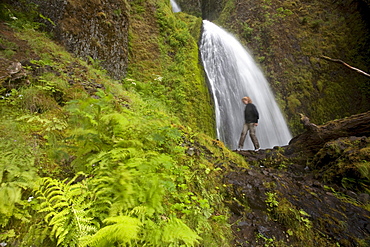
[(271, 201), (283, 12), (37, 100), (267, 241), (10, 48), (247, 31)]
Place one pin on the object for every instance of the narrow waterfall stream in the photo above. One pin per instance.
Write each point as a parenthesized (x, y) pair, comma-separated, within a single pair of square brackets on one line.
[(233, 74), (175, 7)]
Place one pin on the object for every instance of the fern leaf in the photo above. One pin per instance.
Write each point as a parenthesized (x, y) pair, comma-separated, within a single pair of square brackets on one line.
[(60, 217), (60, 204), (176, 231), (49, 215), (122, 230), (56, 197), (53, 189), (45, 205), (67, 209), (61, 235)]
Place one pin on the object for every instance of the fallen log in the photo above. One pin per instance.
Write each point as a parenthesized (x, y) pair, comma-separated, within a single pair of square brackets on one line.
[(313, 139)]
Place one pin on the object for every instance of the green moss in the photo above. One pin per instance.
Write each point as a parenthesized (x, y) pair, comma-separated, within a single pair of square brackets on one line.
[(9, 48), (174, 74), (298, 223), (346, 163), (293, 103), (227, 10)]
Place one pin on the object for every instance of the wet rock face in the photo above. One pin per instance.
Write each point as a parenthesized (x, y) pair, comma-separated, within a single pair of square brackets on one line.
[(193, 7), (206, 9), (312, 192), (291, 207), (345, 162), (96, 29)]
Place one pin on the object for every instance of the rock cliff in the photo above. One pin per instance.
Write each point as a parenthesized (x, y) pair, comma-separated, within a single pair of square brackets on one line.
[(95, 30)]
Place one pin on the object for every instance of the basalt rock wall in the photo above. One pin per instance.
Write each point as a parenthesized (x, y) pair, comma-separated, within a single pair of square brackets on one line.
[(207, 9), (96, 29)]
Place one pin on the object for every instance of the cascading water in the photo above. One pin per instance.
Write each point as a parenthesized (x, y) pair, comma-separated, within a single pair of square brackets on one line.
[(175, 6), (233, 74)]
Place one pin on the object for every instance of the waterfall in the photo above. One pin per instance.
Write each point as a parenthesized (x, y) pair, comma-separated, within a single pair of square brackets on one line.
[(233, 74), (175, 7)]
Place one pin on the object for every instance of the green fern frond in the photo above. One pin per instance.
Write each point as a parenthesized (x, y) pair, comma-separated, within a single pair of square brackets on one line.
[(124, 143), (44, 205), (118, 124), (54, 194), (141, 212), (60, 204), (122, 153), (119, 229), (176, 231), (60, 217), (50, 215), (68, 207)]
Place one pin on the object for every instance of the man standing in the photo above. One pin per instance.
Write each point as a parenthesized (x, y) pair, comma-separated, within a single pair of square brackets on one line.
[(251, 117)]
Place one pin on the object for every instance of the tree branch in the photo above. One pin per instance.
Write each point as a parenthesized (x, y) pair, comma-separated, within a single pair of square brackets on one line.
[(345, 64)]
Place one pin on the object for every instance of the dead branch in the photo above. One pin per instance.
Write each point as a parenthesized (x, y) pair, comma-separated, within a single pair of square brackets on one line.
[(345, 64)]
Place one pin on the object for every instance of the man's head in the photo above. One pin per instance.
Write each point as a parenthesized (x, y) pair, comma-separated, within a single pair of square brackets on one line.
[(246, 100)]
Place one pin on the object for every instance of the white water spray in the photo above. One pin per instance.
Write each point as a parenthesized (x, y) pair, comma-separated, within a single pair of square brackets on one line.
[(175, 6), (233, 74)]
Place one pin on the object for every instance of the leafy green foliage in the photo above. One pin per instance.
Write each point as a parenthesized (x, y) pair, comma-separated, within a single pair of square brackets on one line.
[(66, 205), (113, 157), (128, 183), (297, 221), (22, 17), (119, 229), (17, 175), (175, 231)]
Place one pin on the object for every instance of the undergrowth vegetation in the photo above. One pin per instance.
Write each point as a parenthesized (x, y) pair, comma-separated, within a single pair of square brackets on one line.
[(88, 161)]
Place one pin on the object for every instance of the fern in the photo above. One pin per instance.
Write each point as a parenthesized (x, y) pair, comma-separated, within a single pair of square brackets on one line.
[(178, 233), (67, 208), (131, 162), (127, 184), (119, 229), (97, 128), (113, 191)]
